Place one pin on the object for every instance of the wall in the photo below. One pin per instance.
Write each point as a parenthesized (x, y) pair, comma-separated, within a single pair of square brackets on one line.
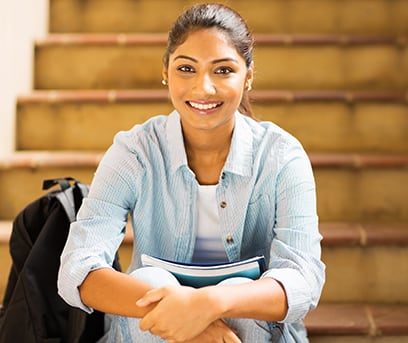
[(21, 22)]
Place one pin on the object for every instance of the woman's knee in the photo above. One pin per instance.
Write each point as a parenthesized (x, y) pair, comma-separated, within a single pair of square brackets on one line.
[(155, 277)]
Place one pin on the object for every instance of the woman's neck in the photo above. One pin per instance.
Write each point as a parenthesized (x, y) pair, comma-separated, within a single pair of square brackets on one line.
[(207, 152), (207, 146)]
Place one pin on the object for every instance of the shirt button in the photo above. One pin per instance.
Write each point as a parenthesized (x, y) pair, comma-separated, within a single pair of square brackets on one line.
[(223, 176), (223, 204), (229, 239)]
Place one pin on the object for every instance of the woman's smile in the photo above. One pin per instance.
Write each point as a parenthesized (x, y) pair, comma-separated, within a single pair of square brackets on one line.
[(204, 107)]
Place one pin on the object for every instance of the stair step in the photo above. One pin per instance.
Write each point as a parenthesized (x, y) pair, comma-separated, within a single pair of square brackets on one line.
[(324, 16), (112, 61), (337, 323), (344, 182), (347, 121), (347, 247)]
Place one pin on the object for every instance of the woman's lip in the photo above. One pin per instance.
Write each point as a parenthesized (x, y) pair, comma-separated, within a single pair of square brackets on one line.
[(203, 110), (205, 101)]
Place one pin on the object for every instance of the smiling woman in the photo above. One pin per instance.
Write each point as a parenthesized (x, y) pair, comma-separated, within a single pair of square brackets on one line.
[(207, 185)]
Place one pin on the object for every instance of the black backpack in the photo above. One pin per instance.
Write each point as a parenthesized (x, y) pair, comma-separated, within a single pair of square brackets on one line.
[(32, 309)]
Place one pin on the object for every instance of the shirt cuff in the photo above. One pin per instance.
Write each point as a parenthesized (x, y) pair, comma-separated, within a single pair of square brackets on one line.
[(69, 281), (297, 292)]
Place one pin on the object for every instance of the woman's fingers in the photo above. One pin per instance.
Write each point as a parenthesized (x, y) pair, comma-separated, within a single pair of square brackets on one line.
[(229, 336), (152, 296)]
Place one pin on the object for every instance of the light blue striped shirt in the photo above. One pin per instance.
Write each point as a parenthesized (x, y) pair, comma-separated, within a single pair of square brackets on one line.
[(266, 196)]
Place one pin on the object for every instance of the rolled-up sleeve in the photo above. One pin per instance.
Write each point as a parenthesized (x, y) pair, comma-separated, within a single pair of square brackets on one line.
[(96, 235), (295, 250)]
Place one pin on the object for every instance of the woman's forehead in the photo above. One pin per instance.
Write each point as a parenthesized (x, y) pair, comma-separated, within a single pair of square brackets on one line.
[(206, 44)]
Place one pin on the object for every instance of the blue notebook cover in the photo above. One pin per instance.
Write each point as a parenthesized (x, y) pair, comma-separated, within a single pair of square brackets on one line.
[(197, 275)]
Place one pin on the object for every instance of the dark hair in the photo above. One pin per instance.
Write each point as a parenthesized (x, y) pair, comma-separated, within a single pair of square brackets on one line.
[(203, 16)]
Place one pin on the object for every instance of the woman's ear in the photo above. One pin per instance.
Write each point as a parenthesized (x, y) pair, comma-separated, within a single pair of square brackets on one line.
[(165, 75), (250, 76)]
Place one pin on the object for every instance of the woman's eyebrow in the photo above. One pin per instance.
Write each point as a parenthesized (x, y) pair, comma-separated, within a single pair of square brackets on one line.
[(227, 59), (219, 60), (186, 57)]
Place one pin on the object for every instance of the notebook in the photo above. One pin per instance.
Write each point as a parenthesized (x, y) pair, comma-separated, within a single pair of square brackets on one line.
[(198, 275)]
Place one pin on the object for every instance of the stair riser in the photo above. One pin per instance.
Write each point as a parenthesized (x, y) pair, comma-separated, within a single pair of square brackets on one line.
[(313, 16), (367, 195), (5, 264), (281, 67), (371, 195), (379, 127), (374, 274)]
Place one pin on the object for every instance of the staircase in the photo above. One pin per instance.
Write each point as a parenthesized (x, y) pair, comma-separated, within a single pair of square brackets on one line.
[(333, 73)]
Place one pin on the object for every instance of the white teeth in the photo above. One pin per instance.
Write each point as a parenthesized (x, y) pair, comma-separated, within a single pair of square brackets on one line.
[(203, 106)]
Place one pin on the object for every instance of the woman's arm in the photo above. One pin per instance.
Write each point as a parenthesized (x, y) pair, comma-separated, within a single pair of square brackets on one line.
[(263, 299), (113, 292), (184, 312), (110, 291), (96, 235)]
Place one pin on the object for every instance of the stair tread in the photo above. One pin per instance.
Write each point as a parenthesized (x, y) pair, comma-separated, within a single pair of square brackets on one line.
[(262, 16), (35, 159), (358, 319), (334, 234), (113, 96), (260, 39)]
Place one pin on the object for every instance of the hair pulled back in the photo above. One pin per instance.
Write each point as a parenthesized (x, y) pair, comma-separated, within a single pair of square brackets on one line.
[(205, 16)]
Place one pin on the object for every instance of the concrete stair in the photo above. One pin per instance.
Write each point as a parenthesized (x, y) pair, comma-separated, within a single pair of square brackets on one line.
[(276, 16), (353, 309), (112, 61), (333, 73), (348, 121), (344, 182)]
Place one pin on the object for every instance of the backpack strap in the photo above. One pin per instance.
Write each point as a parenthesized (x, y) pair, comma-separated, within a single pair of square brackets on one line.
[(64, 183), (70, 196), (66, 198)]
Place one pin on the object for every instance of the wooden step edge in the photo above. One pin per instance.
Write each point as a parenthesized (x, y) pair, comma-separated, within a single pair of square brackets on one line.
[(373, 320), (357, 160), (260, 39), (364, 235), (5, 231), (334, 234), (94, 96), (67, 159), (38, 159), (119, 96)]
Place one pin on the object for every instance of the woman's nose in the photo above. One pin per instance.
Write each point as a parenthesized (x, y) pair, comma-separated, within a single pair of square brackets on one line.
[(204, 85)]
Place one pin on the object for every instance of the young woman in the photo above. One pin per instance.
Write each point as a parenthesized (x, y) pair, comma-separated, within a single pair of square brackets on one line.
[(205, 184)]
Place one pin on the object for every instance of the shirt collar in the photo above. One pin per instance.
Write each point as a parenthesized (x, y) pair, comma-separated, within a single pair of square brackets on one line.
[(240, 156), (175, 140)]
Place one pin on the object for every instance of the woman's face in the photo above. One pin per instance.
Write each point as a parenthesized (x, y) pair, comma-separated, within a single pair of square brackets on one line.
[(206, 77)]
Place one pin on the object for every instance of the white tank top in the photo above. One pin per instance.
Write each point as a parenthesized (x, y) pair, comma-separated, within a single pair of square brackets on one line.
[(208, 248)]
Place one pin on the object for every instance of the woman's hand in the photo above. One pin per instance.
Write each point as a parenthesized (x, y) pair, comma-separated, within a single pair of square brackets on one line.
[(181, 313), (217, 332)]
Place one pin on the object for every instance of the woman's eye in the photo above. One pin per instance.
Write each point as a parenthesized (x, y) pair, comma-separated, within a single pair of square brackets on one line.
[(186, 69), (224, 70)]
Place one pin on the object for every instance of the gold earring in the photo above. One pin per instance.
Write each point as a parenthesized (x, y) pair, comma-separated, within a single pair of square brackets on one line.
[(164, 82), (248, 87)]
